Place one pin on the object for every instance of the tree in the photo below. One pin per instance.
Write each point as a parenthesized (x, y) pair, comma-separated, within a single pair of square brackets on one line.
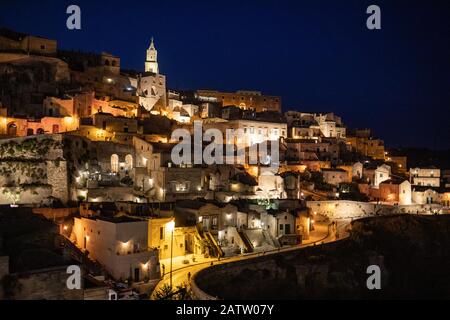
[(181, 292)]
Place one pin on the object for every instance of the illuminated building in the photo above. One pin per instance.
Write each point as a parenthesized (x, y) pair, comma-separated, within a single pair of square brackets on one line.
[(151, 63), (120, 245), (247, 100), (426, 176)]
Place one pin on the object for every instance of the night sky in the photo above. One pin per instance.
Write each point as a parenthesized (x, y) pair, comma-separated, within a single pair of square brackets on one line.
[(317, 55)]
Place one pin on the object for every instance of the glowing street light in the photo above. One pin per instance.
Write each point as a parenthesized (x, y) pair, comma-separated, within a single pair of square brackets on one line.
[(171, 227)]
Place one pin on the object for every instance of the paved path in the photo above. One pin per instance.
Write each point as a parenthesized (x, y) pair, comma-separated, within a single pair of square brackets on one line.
[(180, 275)]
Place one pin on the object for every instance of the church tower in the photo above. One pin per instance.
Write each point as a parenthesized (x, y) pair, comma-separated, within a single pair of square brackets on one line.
[(151, 63)]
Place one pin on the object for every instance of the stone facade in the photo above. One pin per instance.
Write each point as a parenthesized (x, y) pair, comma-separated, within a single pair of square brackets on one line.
[(335, 176), (45, 284), (253, 100), (121, 245), (33, 169)]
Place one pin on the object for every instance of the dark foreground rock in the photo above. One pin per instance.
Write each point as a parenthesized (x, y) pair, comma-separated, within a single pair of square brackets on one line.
[(413, 253)]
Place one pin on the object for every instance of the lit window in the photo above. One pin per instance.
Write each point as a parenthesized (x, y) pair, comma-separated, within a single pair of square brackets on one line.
[(129, 161), (114, 163)]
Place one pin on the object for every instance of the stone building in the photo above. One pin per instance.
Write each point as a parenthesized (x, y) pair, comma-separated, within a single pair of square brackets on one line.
[(12, 41), (426, 195), (151, 92), (26, 80), (307, 125), (426, 176), (21, 127), (160, 236), (247, 100), (395, 191), (335, 176), (362, 141), (151, 62), (382, 173), (120, 244), (250, 131)]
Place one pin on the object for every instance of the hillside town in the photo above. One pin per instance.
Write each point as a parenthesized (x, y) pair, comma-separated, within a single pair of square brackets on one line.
[(88, 176)]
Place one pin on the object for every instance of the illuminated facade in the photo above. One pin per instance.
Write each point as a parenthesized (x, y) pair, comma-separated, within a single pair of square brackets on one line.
[(247, 100), (120, 244), (151, 63), (160, 237), (306, 125), (395, 191), (429, 177), (251, 131), (19, 127)]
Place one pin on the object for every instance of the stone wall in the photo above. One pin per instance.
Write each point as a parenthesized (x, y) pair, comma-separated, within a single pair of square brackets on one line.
[(344, 209), (45, 284), (55, 213), (32, 169), (57, 178), (4, 266)]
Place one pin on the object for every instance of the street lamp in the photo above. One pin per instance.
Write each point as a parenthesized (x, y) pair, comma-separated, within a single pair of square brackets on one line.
[(171, 227)]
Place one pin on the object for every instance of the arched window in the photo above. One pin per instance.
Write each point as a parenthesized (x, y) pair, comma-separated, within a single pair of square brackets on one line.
[(40, 131), (12, 129), (115, 163), (30, 132), (113, 63), (106, 62), (129, 161)]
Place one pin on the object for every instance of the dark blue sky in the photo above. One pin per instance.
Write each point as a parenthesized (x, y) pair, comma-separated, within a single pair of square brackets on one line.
[(318, 55)]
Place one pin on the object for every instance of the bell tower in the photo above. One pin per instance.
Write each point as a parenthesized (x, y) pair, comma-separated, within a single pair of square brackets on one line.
[(151, 63)]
